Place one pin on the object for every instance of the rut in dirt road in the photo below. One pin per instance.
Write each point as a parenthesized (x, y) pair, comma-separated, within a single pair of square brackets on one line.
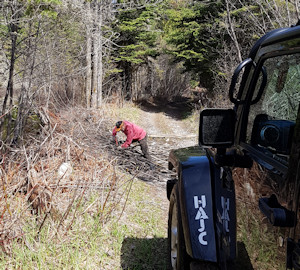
[(165, 129), (132, 161), (160, 145)]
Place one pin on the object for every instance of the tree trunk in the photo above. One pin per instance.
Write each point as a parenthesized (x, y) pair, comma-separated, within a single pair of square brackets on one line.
[(10, 85), (231, 32), (100, 58), (297, 9), (25, 100), (88, 86), (95, 59)]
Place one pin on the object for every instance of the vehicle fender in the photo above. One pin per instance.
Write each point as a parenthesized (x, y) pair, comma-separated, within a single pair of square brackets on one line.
[(196, 201), (225, 212)]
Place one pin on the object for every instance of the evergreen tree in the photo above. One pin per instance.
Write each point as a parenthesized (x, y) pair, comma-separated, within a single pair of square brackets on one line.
[(137, 41), (187, 31)]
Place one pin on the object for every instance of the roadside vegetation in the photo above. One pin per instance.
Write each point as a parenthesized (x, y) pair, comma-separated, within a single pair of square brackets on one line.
[(134, 237), (259, 240), (262, 241), (68, 71), (67, 205), (96, 215)]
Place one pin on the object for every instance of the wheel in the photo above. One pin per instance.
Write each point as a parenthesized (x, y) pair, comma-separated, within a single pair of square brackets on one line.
[(170, 185), (178, 258)]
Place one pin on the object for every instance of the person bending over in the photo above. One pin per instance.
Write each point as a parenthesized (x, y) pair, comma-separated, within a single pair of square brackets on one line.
[(133, 133)]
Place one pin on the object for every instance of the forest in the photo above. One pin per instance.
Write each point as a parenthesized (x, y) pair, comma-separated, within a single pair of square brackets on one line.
[(58, 53), (69, 69)]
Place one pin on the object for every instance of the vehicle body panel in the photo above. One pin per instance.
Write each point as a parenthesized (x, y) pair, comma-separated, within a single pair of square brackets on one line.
[(278, 172), (207, 203), (270, 139)]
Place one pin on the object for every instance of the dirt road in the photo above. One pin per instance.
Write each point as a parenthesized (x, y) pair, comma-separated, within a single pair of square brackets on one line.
[(169, 126)]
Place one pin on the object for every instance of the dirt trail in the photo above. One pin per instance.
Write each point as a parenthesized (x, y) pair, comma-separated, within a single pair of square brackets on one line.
[(168, 127), (164, 134), (175, 132)]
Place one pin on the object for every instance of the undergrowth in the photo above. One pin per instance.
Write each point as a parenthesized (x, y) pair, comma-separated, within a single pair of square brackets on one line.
[(261, 244), (63, 207), (93, 215), (260, 239)]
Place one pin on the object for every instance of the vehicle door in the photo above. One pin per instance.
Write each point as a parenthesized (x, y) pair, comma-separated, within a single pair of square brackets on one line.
[(272, 134)]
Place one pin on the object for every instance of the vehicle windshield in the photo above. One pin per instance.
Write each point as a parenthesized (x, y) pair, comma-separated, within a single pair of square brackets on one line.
[(272, 119)]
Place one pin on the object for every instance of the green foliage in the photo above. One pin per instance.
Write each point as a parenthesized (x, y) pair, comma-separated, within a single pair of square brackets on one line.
[(239, 12), (187, 33), (45, 8), (179, 28), (138, 35), (112, 71)]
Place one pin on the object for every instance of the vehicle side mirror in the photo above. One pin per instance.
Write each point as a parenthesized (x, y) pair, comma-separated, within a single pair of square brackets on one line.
[(217, 128)]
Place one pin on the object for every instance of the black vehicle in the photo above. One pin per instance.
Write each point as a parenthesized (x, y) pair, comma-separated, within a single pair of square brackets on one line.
[(262, 128)]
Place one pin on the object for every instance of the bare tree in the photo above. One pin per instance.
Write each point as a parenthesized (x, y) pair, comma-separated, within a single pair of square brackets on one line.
[(100, 43), (99, 13), (11, 12), (41, 56), (88, 87), (244, 23), (231, 31)]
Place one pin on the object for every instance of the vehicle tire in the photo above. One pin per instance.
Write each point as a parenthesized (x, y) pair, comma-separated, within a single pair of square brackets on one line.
[(177, 256), (170, 185)]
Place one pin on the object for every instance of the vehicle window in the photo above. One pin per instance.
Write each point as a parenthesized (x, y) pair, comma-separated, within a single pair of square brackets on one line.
[(272, 119)]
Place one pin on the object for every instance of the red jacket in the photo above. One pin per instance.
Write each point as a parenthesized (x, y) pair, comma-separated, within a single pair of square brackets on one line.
[(132, 131)]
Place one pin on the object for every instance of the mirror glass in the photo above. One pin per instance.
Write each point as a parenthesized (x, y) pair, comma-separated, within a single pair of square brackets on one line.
[(217, 127)]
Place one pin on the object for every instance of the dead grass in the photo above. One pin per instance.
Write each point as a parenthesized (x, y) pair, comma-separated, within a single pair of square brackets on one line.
[(91, 215), (259, 237), (52, 186), (65, 203)]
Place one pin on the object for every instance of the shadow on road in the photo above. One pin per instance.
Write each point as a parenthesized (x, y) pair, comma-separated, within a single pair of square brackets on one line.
[(151, 254), (179, 109), (243, 259), (144, 254)]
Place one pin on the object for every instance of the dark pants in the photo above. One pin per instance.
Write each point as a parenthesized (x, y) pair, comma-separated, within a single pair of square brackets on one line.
[(144, 146)]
